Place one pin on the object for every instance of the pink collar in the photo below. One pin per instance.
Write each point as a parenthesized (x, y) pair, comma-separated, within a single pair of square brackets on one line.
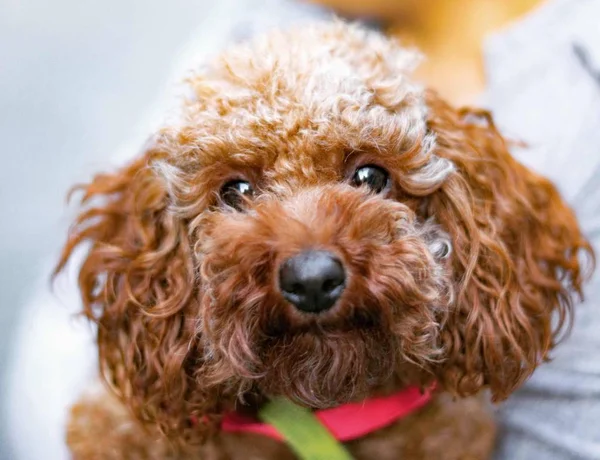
[(348, 421)]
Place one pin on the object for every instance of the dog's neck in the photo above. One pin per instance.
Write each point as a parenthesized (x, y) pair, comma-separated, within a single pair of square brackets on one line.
[(249, 403), (345, 422)]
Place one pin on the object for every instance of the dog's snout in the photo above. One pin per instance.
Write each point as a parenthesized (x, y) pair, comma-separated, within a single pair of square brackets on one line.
[(312, 281)]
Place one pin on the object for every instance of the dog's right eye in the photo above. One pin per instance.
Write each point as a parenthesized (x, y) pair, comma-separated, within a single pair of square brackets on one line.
[(374, 177), (233, 193)]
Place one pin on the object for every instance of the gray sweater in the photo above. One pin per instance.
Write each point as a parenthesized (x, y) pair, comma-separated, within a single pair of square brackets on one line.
[(544, 88)]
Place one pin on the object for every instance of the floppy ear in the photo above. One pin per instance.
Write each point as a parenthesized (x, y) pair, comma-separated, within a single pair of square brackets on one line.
[(138, 284), (517, 256)]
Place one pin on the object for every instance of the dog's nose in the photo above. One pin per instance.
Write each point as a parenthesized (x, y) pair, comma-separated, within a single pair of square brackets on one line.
[(312, 281)]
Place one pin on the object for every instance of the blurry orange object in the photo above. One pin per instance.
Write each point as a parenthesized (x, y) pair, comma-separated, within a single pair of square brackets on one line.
[(449, 32), (381, 9)]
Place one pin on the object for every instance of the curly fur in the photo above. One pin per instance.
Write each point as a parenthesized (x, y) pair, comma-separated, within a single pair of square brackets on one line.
[(455, 275)]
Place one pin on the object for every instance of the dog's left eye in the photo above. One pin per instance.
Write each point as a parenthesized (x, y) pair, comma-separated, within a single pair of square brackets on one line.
[(376, 178), (233, 193)]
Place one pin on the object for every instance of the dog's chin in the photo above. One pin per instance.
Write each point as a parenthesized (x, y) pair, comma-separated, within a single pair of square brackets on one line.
[(324, 370)]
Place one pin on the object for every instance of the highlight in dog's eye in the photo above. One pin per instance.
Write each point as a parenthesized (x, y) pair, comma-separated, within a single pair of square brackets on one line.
[(233, 193), (374, 177)]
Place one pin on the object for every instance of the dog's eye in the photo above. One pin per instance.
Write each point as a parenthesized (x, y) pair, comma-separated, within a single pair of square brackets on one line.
[(233, 193), (374, 177)]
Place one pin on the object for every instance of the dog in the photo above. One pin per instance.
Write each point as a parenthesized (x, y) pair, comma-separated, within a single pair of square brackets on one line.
[(314, 225)]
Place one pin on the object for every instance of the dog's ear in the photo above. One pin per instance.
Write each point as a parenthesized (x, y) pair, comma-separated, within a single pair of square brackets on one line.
[(138, 285), (518, 254)]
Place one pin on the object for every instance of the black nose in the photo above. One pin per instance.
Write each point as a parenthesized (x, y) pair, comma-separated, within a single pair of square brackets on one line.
[(312, 280)]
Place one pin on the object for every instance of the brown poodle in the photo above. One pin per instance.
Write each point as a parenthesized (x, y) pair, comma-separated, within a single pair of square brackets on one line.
[(315, 225)]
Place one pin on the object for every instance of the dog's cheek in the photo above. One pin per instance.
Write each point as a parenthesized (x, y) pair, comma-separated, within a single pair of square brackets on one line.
[(240, 306), (414, 281)]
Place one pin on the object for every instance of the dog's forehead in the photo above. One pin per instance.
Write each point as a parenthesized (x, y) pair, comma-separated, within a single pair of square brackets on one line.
[(292, 100)]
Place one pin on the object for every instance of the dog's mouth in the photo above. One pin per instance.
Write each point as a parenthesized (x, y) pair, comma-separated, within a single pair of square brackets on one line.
[(343, 318), (346, 354)]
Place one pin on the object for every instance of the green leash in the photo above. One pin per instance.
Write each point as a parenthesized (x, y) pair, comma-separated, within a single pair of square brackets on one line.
[(302, 431)]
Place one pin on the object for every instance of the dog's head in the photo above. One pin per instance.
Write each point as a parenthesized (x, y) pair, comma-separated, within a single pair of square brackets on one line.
[(317, 226)]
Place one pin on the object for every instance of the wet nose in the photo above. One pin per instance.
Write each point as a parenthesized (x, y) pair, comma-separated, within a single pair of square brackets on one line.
[(312, 281)]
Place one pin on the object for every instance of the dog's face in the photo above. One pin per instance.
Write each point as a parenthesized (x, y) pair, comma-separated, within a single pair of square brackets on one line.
[(316, 226), (320, 283)]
